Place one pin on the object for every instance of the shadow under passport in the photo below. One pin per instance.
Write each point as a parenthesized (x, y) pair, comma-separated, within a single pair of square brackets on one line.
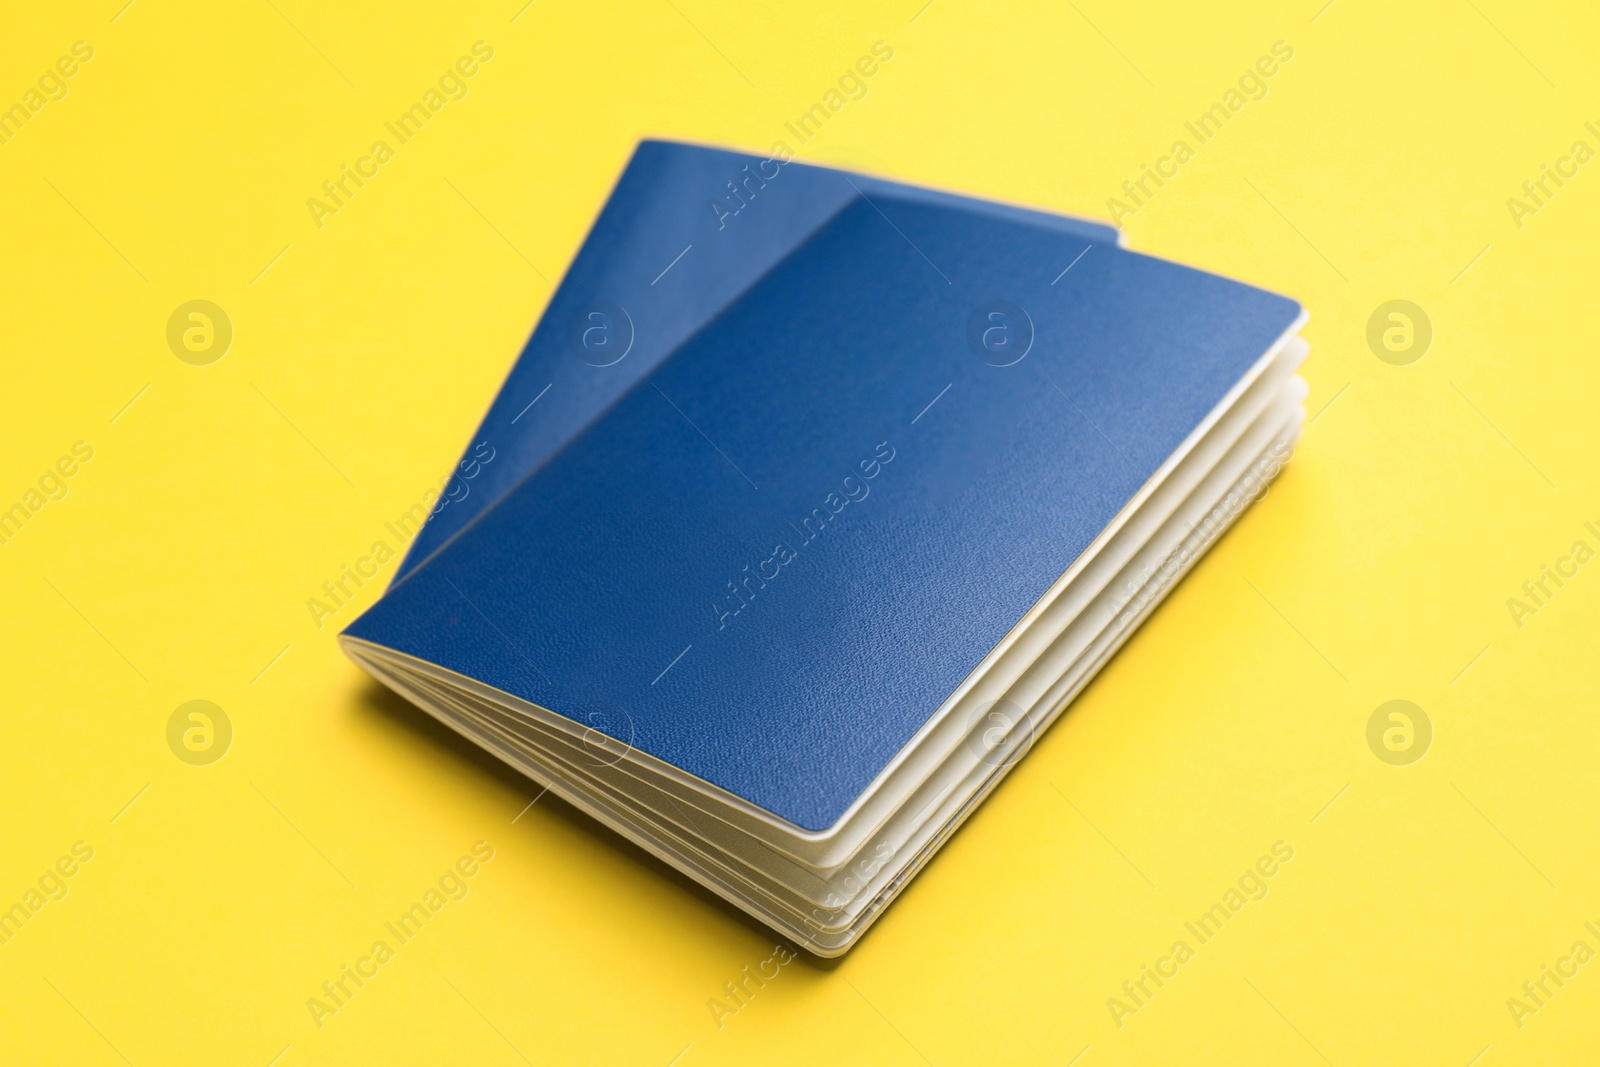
[(374, 698)]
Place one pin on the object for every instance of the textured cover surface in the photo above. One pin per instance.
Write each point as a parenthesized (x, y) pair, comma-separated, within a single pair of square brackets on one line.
[(661, 260), (779, 553)]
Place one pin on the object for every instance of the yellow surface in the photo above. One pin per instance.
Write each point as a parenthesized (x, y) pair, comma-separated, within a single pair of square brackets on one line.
[(219, 898)]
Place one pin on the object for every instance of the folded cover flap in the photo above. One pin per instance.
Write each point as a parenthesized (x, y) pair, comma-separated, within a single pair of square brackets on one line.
[(779, 553)]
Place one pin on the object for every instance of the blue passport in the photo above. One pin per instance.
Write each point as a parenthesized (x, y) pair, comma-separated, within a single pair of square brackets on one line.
[(806, 520), (686, 230)]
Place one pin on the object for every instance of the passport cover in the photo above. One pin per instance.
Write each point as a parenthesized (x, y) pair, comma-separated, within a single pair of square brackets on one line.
[(784, 546), (685, 231)]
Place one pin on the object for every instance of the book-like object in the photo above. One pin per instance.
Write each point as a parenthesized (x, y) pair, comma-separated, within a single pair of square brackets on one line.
[(815, 499)]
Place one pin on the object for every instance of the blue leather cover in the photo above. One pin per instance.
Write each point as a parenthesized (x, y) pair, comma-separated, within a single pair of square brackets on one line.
[(773, 558), (737, 215)]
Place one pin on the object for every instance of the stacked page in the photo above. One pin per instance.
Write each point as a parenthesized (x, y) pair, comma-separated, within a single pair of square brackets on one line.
[(802, 537)]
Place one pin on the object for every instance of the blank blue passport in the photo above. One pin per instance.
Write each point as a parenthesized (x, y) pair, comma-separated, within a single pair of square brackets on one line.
[(686, 230), (853, 441)]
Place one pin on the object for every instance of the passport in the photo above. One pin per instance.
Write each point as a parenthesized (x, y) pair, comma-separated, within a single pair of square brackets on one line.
[(799, 545), (619, 312)]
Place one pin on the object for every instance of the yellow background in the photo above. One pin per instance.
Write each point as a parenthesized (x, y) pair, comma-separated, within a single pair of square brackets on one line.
[(178, 566)]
